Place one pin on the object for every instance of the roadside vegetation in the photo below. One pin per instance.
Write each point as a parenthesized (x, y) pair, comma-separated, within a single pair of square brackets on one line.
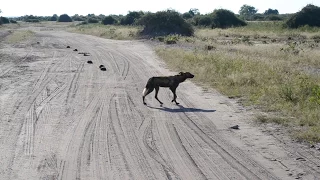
[(108, 31), (18, 36), (268, 61)]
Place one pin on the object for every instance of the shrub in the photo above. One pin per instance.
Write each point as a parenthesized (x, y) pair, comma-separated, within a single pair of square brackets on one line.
[(309, 15), (109, 20), (187, 15), (64, 18), (258, 17), (164, 23), (205, 20), (4, 20), (76, 17), (13, 21), (273, 18), (93, 20), (131, 18), (53, 18), (271, 11), (82, 23), (223, 18), (33, 20)]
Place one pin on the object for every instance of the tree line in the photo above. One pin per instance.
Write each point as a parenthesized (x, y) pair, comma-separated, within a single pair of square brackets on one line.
[(181, 23)]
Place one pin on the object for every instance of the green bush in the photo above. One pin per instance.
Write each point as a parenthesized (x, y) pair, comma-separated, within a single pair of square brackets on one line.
[(82, 23), (131, 18), (93, 20), (273, 18), (76, 17), (164, 23), (33, 20), (4, 20), (223, 18), (309, 15), (187, 15), (53, 18), (202, 20), (13, 21), (271, 12), (64, 18), (258, 17), (109, 20)]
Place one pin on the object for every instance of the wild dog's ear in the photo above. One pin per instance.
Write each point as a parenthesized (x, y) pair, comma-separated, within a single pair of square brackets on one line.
[(180, 73)]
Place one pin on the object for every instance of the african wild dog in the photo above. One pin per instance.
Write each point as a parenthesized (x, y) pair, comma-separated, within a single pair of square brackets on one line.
[(171, 82)]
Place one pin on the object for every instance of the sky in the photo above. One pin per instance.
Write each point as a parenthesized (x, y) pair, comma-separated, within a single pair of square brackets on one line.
[(12, 8)]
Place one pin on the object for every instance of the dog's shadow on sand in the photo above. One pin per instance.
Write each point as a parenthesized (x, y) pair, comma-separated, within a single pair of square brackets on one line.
[(181, 109)]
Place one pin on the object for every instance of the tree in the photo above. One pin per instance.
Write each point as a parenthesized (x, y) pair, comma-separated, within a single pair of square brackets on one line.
[(194, 11), (4, 20), (164, 23), (76, 17), (54, 17), (187, 15), (222, 18), (247, 11), (271, 12), (204, 20), (93, 20), (0, 19), (309, 15), (131, 17), (64, 18), (109, 20)]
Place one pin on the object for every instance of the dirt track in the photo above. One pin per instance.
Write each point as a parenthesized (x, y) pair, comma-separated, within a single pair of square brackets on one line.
[(62, 118)]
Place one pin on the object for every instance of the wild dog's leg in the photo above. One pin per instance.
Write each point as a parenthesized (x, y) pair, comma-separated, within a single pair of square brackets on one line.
[(173, 89), (145, 93), (156, 95)]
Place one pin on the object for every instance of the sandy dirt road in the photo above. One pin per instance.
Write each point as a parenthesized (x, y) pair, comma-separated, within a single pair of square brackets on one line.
[(62, 118)]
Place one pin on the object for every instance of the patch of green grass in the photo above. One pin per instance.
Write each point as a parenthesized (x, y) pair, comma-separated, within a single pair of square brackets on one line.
[(19, 35), (108, 31), (311, 135), (272, 119)]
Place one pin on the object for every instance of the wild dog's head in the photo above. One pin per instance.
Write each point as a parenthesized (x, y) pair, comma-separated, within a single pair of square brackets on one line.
[(186, 74)]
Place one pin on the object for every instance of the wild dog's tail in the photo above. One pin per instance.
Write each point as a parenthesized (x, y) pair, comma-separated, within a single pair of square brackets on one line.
[(144, 92), (149, 86)]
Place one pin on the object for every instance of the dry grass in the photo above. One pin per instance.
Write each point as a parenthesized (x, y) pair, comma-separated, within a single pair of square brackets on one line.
[(18, 36), (107, 31), (267, 30), (266, 66), (281, 78)]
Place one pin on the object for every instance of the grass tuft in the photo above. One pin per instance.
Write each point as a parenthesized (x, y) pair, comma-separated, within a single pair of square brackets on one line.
[(107, 31), (18, 36)]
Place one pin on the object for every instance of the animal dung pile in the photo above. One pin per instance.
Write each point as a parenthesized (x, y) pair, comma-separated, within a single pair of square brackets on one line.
[(89, 62), (68, 46), (75, 50), (102, 68), (235, 127)]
